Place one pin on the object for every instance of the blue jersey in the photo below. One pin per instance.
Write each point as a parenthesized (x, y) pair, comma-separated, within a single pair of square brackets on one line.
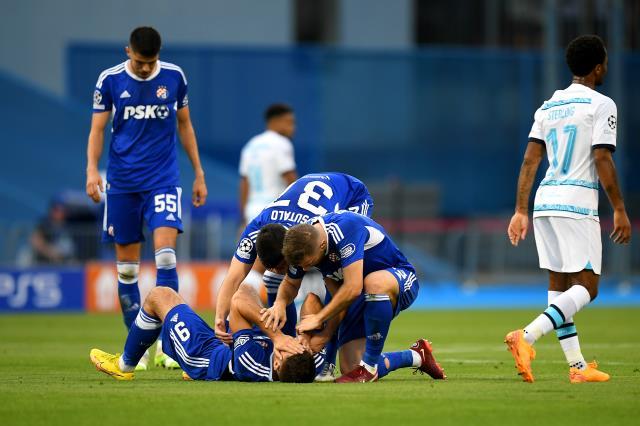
[(310, 196), (253, 356), (142, 153), (352, 237)]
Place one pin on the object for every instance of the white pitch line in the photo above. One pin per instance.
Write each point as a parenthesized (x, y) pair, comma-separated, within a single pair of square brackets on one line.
[(500, 348), (445, 360)]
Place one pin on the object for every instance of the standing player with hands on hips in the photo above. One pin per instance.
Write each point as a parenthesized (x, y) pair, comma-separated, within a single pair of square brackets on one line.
[(145, 98), (577, 128)]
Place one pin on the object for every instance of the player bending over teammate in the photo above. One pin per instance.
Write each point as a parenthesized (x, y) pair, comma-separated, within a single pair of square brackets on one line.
[(355, 250), (577, 128)]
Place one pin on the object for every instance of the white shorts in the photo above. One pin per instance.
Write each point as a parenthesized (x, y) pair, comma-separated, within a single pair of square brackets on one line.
[(568, 245)]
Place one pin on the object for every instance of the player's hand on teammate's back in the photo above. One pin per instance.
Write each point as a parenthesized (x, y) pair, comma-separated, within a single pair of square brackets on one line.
[(94, 185), (220, 328), (274, 317), (199, 191), (621, 227), (518, 227), (309, 323)]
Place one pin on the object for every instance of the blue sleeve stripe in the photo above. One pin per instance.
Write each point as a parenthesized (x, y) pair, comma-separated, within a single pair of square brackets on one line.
[(552, 104)]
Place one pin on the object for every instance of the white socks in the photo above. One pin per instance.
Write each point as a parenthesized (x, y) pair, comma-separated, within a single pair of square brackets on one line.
[(568, 338), (564, 306)]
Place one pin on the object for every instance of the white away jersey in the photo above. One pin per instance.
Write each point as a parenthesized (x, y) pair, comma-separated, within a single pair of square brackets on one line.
[(571, 124), (263, 161)]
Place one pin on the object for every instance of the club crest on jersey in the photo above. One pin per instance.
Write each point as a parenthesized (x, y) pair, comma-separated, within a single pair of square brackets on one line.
[(240, 341), (162, 92), (244, 248), (347, 250)]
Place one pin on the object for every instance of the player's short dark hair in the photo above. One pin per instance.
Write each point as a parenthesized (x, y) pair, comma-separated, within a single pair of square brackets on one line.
[(145, 41), (299, 242), (298, 368), (276, 110), (269, 244), (584, 53)]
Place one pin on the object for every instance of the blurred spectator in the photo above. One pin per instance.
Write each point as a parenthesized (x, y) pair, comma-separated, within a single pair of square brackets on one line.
[(51, 241)]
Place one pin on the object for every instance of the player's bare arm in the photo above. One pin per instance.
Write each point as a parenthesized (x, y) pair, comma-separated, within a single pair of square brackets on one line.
[(349, 291), (238, 271), (188, 140), (607, 173), (244, 194), (290, 177), (95, 145), (520, 220), (275, 317), (245, 312)]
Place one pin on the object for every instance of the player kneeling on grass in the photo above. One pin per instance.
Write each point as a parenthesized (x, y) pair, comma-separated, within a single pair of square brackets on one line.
[(354, 250), (257, 356), (349, 329)]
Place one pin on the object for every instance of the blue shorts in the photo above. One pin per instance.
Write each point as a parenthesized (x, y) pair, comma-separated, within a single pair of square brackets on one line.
[(193, 344), (408, 287), (124, 214), (352, 325)]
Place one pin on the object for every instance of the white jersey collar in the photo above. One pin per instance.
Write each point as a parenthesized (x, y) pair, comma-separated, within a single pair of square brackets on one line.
[(153, 75)]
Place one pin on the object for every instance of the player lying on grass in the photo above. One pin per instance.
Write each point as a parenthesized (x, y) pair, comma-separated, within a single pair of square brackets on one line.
[(257, 356), (311, 195), (354, 250)]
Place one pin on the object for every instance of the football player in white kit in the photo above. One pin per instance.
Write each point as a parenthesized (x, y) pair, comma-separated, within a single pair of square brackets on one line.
[(577, 129), (267, 164), (267, 168)]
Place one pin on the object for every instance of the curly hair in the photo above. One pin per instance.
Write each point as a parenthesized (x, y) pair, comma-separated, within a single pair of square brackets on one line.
[(298, 368), (584, 53)]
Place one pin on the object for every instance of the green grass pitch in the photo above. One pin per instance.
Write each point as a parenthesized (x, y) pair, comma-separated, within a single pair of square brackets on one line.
[(46, 378)]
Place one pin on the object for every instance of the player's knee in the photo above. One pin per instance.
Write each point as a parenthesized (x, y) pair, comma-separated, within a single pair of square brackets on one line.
[(244, 292), (158, 294), (166, 258), (128, 272), (380, 284), (311, 304)]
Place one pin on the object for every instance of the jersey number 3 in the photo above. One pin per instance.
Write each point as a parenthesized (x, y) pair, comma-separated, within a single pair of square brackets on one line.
[(309, 194)]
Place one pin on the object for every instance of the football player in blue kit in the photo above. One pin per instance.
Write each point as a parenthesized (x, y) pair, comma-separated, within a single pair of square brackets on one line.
[(356, 251), (258, 354), (309, 196), (144, 98)]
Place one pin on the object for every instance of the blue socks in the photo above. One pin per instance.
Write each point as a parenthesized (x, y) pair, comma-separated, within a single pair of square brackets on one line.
[(143, 333), (128, 290), (378, 313), (167, 275), (397, 360)]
